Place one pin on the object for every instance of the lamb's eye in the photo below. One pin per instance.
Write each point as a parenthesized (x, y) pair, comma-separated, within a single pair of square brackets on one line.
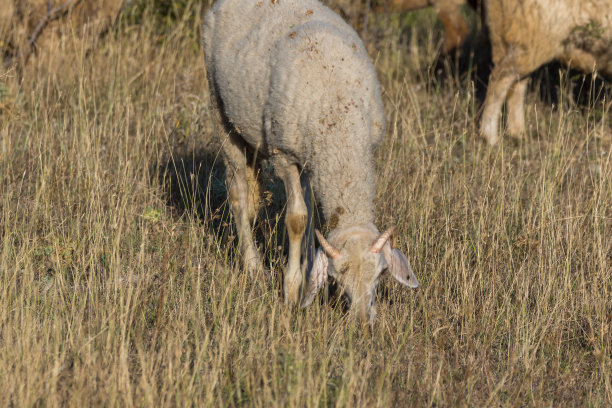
[(344, 269)]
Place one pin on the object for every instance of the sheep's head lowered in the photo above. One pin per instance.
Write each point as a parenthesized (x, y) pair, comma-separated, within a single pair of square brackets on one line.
[(355, 258)]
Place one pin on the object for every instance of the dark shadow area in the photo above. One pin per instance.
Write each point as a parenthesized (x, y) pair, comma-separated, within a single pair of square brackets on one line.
[(472, 62), (586, 90), (194, 181)]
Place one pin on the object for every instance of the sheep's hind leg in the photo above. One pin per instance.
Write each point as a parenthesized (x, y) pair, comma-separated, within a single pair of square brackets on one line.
[(243, 197), (242, 182), (296, 221), (502, 78), (241, 206), (515, 105)]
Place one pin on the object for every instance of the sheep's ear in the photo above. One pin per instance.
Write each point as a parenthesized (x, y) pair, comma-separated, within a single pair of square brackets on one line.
[(318, 276), (399, 266)]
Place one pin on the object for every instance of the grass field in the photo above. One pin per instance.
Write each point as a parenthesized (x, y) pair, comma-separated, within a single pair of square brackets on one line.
[(119, 283)]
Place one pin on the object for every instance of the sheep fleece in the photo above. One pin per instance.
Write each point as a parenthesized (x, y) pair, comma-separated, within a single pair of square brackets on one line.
[(294, 79), (578, 32)]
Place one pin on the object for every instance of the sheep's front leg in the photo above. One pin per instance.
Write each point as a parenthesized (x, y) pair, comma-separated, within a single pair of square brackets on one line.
[(296, 221), (499, 84), (515, 105), (455, 27)]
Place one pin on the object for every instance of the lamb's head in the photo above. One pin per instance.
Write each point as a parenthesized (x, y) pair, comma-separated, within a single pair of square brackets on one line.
[(356, 257)]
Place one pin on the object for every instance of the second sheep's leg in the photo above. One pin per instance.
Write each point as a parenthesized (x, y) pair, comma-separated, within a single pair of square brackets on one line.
[(515, 107), (500, 82), (455, 27), (296, 221)]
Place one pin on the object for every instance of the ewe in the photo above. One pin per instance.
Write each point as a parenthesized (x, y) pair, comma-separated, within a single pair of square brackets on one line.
[(526, 34), (291, 81)]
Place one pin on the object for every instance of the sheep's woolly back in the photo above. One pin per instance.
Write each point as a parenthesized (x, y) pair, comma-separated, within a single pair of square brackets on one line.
[(295, 81), (578, 32)]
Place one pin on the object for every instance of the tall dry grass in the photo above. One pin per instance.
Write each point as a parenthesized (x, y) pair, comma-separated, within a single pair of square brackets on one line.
[(118, 276)]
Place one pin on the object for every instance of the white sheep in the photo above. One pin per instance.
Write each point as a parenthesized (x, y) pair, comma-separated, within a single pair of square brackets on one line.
[(291, 81), (526, 34)]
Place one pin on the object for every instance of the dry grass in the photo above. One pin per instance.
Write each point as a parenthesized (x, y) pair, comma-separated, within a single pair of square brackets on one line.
[(118, 277)]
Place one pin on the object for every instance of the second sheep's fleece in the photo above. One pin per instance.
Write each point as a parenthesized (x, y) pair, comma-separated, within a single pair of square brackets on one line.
[(526, 34), (291, 81)]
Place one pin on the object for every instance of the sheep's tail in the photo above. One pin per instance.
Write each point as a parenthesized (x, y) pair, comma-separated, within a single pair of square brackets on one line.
[(308, 247)]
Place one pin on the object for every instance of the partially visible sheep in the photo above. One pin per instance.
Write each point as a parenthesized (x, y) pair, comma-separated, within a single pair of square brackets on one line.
[(449, 12), (526, 34), (292, 82)]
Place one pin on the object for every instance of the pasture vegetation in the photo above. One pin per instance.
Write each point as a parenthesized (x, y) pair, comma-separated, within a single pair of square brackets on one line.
[(119, 283)]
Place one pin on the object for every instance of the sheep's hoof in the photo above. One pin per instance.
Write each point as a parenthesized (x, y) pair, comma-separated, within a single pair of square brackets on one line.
[(489, 134), (252, 264), (291, 286), (516, 132), (488, 131), (491, 139)]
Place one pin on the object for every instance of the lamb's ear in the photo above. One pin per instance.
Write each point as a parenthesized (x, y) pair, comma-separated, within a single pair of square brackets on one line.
[(318, 276), (399, 266)]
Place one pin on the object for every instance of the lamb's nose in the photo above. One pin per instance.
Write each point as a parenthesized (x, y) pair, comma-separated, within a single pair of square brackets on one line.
[(365, 313)]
